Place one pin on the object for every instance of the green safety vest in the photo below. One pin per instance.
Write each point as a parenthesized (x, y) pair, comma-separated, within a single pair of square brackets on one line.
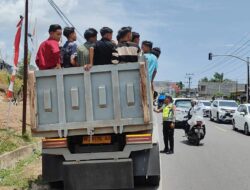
[(168, 113)]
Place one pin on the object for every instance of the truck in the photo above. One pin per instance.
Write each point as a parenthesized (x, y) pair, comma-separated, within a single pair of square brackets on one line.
[(97, 126)]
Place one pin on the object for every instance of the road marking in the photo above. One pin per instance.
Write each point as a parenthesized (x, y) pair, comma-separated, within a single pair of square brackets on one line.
[(221, 129)]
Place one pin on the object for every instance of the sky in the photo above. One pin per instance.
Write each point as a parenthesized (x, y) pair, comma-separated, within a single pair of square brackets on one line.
[(185, 30)]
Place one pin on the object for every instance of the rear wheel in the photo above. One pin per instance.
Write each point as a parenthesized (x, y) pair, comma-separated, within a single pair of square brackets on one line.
[(246, 129), (218, 118), (197, 143), (233, 123)]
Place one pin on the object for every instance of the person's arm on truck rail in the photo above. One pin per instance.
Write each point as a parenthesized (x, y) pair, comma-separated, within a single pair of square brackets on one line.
[(158, 110), (88, 66)]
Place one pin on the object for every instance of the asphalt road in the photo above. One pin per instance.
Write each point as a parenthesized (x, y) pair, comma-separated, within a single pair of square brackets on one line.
[(221, 162)]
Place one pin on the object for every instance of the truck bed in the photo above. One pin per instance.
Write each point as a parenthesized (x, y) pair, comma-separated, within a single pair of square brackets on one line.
[(108, 99)]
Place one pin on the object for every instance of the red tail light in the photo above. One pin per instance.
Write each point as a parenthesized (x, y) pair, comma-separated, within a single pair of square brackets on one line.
[(199, 123)]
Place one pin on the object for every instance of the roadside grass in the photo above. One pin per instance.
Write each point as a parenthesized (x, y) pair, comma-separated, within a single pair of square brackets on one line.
[(21, 176), (10, 140)]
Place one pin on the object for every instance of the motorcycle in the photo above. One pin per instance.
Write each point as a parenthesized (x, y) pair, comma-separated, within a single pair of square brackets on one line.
[(197, 130)]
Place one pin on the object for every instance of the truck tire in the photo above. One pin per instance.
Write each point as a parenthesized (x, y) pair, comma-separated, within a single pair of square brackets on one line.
[(153, 181)]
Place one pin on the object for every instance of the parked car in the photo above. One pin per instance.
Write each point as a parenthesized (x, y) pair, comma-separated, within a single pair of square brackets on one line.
[(223, 110), (241, 119), (206, 107), (182, 107)]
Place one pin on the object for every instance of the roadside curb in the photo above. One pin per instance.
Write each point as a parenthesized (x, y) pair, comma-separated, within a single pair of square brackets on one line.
[(10, 159)]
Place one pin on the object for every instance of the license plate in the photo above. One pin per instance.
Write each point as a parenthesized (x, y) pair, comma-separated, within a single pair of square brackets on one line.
[(104, 139)]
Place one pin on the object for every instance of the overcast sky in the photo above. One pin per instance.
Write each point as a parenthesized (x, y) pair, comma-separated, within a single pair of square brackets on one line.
[(186, 30)]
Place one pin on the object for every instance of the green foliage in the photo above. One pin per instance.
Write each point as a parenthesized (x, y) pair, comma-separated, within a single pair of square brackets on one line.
[(218, 94), (4, 77), (18, 87), (218, 77), (10, 140), (15, 177), (5, 81), (180, 85), (205, 79), (20, 71)]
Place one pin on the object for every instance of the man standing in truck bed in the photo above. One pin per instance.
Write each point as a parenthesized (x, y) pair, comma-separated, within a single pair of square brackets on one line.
[(85, 52), (48, 55), (104, 48), (126, 51)]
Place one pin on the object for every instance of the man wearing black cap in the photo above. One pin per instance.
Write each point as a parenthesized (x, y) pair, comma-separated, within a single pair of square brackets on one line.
[(156, 51), (48, 54), (104, 48), (69, 49), (86, 51), (126, 51), (136, 38)]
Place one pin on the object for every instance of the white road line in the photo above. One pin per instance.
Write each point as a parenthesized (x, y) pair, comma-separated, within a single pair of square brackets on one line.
[(219, 128)]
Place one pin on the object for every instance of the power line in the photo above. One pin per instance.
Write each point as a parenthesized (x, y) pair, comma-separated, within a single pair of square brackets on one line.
[(64, 17), (223, 64), (236, 51)]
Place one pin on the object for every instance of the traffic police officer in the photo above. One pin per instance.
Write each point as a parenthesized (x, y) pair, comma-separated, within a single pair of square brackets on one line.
[(168, 117)]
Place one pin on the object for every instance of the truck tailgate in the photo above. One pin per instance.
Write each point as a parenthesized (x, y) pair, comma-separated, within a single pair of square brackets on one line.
[(108, 99)]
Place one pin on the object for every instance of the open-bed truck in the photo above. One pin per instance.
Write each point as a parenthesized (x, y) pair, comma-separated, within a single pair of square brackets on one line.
[(97, 126)]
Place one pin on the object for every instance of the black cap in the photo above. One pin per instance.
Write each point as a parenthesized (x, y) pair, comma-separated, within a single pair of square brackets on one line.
[(54, 27), (68, 30), (124, 31), (156, 51), (105, 30), (148, 43), (89, 33), (135, 35)]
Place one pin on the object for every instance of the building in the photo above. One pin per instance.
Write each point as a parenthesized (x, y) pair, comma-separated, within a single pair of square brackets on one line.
[(5, 66), (167, 87), (224, 89)]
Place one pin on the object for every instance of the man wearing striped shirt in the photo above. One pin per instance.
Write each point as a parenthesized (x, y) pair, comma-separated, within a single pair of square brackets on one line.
[(126, 51)]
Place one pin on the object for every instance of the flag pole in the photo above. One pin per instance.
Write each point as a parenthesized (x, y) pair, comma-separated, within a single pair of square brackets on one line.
[(25, 73)]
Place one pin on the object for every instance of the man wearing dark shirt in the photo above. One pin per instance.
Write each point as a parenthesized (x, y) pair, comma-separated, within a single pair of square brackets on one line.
[(136, 38), (104, 48), (69, 49), (48, 55), (126, 51)]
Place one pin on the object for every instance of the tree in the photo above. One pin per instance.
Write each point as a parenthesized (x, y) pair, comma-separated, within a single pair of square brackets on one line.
[(180, 85), (20, 70), (218, 77), (205, 79)]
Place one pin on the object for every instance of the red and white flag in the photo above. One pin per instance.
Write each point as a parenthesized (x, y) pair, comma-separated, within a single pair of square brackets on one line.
[(16, 56)]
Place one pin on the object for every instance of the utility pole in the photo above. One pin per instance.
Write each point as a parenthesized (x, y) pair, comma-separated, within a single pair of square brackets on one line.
[(236, 96), (189, 77), (25, 73), (247, 61), (248, 82)]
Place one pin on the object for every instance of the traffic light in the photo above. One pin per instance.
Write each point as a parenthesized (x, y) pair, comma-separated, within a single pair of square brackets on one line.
[(210, 56)]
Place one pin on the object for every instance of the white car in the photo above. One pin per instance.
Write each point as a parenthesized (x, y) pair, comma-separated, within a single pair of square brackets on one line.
[(182, 105), (241, 119), (206, 107), (223, 110)]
